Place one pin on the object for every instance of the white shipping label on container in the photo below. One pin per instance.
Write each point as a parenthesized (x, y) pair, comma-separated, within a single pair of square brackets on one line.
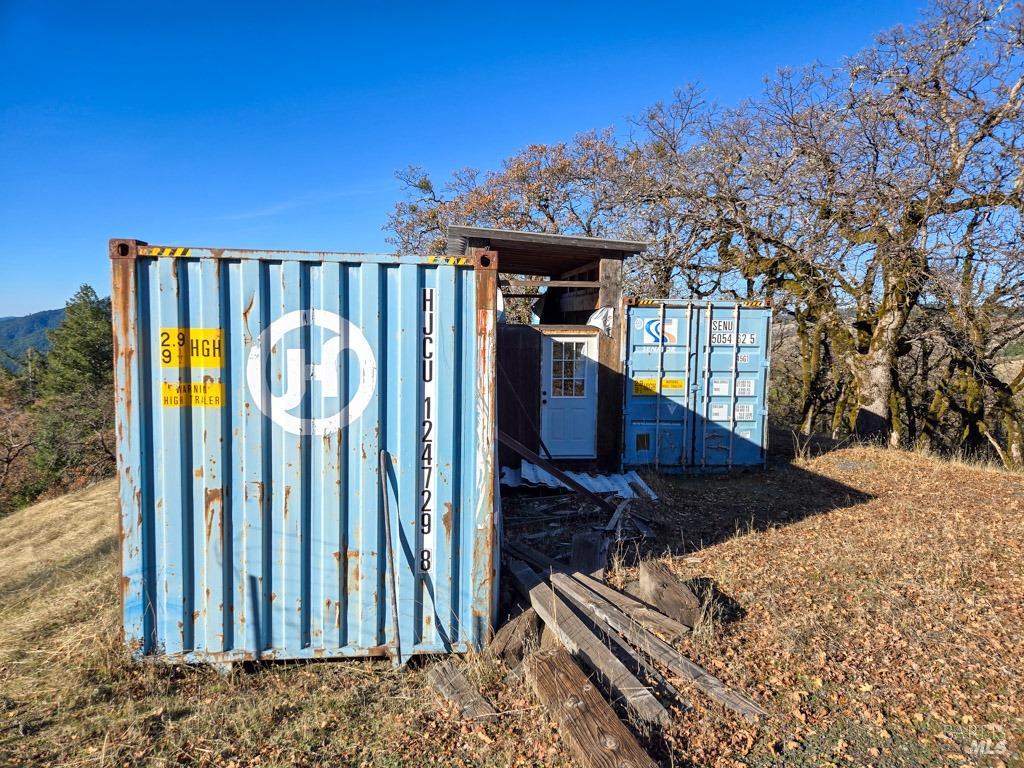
[(720, 412), (723, 332), (428, 415), (720, 387), (744, 412), (745, 434), (745, 388)]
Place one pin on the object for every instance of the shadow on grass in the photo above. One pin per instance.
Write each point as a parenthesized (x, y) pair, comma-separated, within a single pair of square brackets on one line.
[(694, 513)]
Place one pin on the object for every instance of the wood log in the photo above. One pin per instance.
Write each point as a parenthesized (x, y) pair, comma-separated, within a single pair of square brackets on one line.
[(449, 681), (663, 589), (593, 733), (581, 642), (657, 649), (615, 521), (511, 641)]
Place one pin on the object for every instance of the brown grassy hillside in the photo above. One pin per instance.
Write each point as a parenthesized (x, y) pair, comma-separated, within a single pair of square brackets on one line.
[(871, 600)]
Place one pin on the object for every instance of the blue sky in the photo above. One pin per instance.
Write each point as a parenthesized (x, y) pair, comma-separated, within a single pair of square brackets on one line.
[(242, 125)]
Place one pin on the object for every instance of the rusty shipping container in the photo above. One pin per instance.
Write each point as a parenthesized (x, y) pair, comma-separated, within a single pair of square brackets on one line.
[(255, 392)]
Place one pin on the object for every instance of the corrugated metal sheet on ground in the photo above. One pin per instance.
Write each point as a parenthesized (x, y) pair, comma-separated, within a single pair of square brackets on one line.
[(624, 485), (255, 390)]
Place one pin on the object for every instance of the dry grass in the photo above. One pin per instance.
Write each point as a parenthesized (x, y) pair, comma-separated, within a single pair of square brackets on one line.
[(871, 600), (879, 631), (69, 696)]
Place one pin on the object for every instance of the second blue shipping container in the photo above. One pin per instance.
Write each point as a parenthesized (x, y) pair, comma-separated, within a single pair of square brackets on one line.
[(697, 384)]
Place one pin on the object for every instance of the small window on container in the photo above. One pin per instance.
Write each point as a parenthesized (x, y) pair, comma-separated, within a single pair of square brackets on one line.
[(643, 441)]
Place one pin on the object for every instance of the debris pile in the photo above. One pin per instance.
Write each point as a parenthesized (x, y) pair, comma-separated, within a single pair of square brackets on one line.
[(574, 628)]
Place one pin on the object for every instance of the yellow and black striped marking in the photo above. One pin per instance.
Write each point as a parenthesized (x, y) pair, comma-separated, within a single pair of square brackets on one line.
[(163, 250), (455, 261)]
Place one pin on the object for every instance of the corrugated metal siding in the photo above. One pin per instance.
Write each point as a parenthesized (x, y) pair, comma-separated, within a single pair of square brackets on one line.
[(710, 410), (252, 519)]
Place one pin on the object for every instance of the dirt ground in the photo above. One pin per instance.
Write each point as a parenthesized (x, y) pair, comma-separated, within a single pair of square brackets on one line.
[(871, 600)]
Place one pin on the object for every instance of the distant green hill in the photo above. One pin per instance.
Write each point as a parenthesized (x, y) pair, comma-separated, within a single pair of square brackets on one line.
[(19, 334)]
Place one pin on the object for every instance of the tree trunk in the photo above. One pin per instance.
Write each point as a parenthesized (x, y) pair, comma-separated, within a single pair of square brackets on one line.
[(937, 409), (872, 365), (872, 377), (814, 352)]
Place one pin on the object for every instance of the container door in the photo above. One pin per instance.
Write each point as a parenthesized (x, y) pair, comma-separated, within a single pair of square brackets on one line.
[(569, 396), (733, 378), (659, 386)]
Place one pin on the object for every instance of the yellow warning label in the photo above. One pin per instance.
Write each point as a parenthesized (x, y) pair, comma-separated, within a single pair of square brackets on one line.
[(649, 387), (208, 394), (163, 250), (191, 347), (455, 261)]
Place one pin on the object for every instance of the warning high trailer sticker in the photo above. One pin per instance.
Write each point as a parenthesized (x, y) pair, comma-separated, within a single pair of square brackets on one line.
[(208, 394)]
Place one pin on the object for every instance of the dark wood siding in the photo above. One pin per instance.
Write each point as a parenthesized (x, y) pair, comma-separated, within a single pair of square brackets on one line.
[(519, 348)]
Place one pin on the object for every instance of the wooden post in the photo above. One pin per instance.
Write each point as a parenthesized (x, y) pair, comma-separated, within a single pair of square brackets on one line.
[(590, 553), (597, 738), (609, 375)]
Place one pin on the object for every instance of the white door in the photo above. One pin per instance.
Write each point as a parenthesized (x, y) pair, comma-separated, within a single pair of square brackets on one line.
[(568, 396)]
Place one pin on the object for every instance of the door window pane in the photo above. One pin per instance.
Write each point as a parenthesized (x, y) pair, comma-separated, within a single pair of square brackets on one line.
[(568, 371)]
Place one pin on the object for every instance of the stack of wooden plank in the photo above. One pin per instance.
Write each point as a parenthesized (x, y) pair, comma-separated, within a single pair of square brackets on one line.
[(626, 641)]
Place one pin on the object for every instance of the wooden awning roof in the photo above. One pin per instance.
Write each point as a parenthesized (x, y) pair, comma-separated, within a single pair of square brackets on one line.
[(536, 253)]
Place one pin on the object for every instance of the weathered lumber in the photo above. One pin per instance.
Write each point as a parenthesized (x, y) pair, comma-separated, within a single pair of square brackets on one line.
[(635, 662), (649, 617), (641, 525), (657, 649), (511, 641), (590, 553), (662, 589), (552, 470), (534, 557), (449, 681), (581, 642), (615, 521), (596, 737)]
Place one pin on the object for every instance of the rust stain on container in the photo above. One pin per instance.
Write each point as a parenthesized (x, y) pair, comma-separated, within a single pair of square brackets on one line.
[(446, 520), (212, 505)]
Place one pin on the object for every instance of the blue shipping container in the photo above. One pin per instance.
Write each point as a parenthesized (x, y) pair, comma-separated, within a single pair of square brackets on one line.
[(697, 388), (255, 390)]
